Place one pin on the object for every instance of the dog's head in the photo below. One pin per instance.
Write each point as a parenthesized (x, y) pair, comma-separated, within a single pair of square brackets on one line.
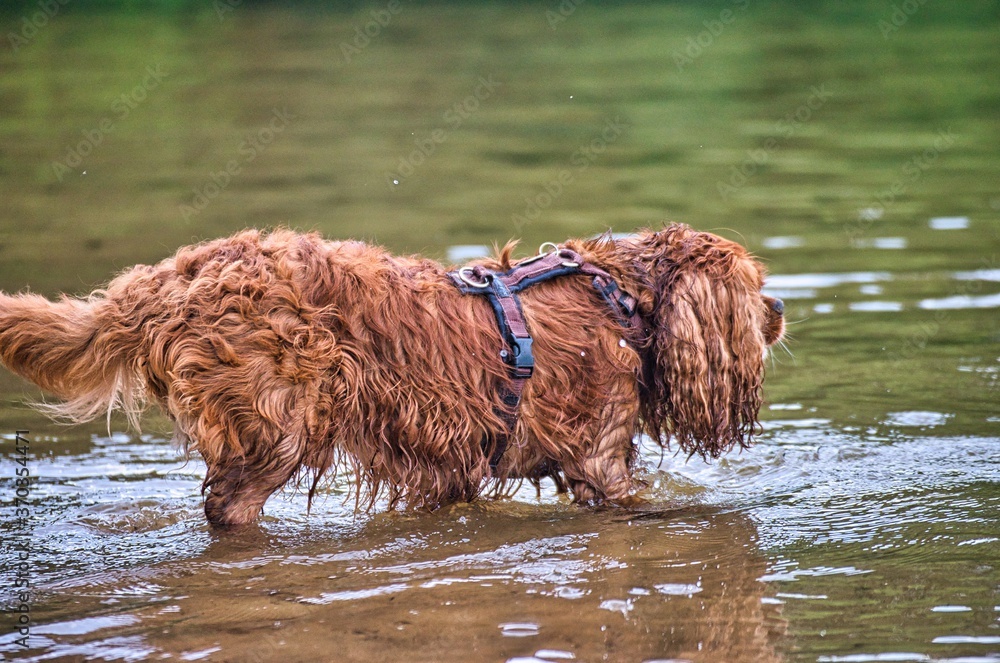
[(711, 329)]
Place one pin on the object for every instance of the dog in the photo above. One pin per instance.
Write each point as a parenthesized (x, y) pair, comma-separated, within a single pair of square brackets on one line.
[(280, 355)]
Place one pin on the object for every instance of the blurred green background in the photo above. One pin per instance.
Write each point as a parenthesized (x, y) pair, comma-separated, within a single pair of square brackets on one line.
[(181, 89)]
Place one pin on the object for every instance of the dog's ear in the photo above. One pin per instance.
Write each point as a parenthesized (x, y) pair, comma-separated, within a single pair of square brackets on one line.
[(705, 366)]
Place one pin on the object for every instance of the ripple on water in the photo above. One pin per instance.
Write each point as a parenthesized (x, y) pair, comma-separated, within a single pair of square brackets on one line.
[(142, 516), (810, 286), (200, 654), (876, 307), (555, 655), (967, 640), (901, 657), (677, 589), (918, 418), (815, 484), (544, 656), (821, 280), (961, 302), (355, 595), (85, 625), (884, 243), (951, 608), (783, 242), (519, 629), (978, 275), (949, 223)]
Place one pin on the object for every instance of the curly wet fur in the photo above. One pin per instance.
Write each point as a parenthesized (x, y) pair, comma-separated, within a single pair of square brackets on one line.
[(280, 353)]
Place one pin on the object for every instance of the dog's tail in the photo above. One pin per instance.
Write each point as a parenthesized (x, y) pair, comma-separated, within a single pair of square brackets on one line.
[(81, 350)]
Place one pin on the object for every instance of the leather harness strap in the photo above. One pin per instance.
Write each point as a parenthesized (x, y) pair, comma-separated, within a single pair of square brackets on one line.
[(501, 289)]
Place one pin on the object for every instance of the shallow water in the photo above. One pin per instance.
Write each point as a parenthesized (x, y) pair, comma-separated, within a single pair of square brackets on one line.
[(862, 527)]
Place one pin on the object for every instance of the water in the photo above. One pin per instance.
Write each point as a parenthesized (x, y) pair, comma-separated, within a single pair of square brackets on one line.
[(858, 161)]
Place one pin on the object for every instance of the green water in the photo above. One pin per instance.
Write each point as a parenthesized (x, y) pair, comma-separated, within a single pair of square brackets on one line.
[(854, 151)]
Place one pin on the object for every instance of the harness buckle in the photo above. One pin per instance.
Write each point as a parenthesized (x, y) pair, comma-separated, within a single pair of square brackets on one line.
[(629, 304), (521, 359)]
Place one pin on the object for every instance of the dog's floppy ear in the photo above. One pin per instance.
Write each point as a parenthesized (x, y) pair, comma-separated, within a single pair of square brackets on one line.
[(705, 365)]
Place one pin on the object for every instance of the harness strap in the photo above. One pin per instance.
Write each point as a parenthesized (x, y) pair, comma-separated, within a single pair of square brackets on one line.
[(501, 289)]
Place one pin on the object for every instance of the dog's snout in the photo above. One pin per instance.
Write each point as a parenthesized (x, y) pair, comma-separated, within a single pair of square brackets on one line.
[(778, 306)]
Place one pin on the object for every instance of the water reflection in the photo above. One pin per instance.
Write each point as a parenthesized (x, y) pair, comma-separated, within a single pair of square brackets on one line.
[(784, 242), (453, 586), (885, 243), (734, 548), (949, 223), (811, 283), (877, 307), (961, 302), (921, 419), (813, 286)]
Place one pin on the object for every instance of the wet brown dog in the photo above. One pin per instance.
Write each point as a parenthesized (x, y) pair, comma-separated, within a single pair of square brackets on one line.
[(282, 353)]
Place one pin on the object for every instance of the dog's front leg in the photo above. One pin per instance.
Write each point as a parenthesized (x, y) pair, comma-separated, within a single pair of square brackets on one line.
[(237, 486), (599, 469)]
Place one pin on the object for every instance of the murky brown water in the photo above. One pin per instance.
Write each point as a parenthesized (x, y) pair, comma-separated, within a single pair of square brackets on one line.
[(858, 160)]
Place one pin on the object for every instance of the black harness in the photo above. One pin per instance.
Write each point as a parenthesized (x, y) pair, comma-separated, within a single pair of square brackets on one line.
[(501, 289)]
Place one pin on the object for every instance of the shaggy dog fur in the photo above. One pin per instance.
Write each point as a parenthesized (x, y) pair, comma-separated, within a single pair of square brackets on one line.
[(282, 353)]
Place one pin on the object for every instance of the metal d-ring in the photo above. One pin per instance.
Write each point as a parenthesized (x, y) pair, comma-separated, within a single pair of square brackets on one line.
[(462, 274), (541, 253), (556, 249), (567, 263)]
